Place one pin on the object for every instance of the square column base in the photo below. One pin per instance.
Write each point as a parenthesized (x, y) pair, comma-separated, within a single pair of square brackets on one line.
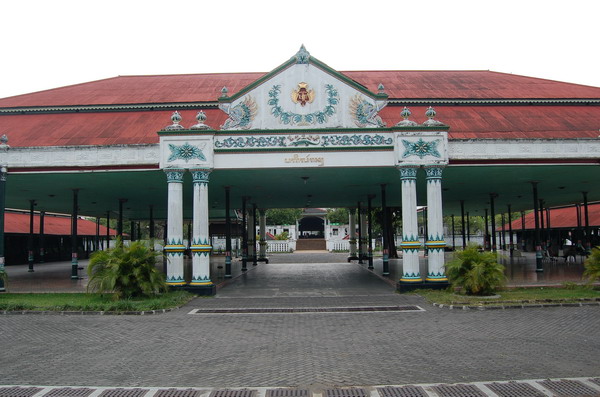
[(406, 287), (265, 259), (200, 290), (353, 258)]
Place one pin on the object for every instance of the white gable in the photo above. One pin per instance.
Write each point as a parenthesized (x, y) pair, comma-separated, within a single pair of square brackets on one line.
[(302, 96)]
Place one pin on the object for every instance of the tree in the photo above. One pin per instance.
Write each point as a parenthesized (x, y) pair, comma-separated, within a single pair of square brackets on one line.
[(592, 265), (283, 216), (478, 273), (338, 215), (126, 271)]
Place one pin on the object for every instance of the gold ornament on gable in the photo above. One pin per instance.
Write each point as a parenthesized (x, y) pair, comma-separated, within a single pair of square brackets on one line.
[(303, 94)]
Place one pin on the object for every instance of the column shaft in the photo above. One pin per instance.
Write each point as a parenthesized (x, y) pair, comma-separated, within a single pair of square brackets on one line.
[(174, 247), (74, 258), (410, 228), (263, 234), (435, 243), (200, 246), (352, 234), (227, 233)]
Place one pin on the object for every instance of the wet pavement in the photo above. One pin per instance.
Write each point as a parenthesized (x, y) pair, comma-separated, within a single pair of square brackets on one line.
[(56, 276)]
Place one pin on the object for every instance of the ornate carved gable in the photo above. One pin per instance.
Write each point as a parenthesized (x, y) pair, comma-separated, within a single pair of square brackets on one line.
[(303, 93)]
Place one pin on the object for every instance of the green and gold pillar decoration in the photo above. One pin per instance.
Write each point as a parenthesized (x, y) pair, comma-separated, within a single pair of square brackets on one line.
[(262, 224), (200, 246), (410, 229), (435, 243), (174, 247)]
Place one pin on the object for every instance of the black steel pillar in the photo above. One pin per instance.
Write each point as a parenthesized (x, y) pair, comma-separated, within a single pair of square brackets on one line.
[(74, 254), (360, 234), (2, 205), (426, 232), (254, 256), (151, 227), (244, 236), (503, 237), (120, 221), (107, 230), (523, 240), (468, 228), (42, 238), (227, 233), (462, 224), (588, 240), (384, 230), (132, 236), (370, 231), (511, 245), (453, 235), (493, 218), (542, 226), (97, 239), (538, 248), (30, 237)]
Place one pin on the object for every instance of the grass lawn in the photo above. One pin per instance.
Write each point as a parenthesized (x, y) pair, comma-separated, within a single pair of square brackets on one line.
[(90, 302), (534, 295)]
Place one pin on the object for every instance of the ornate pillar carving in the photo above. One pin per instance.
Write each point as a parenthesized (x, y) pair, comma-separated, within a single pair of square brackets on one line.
[(410, 228), (200, 246), (251, 236), (364, 237), (435, 242), (174, 247)]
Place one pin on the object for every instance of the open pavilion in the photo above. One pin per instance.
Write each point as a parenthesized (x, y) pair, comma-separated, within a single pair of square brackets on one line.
[(301, 135)]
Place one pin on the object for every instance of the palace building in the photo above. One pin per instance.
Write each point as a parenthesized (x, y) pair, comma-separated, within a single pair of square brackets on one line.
[(200, 146)]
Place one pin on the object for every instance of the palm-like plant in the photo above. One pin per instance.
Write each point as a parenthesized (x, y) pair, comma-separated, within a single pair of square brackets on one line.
[(126, 271), (478, 273), (592, 265)]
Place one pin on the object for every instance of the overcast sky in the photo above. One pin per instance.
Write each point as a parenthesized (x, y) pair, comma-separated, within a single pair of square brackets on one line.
[(48, 44)]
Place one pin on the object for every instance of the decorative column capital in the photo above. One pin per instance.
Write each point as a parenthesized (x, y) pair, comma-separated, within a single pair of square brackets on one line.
[(408, 171), (433, 171), (174, 175), (200, 175)]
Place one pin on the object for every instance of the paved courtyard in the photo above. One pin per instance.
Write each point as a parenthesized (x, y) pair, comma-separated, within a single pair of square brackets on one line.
[(301, 349)]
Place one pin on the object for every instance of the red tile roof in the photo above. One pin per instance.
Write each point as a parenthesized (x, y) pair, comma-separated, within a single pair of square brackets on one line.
[(207, 87), (465, 121), (56, 225), (561, 218)]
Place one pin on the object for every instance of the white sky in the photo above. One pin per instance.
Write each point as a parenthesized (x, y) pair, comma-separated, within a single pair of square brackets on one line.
[(47, 44)]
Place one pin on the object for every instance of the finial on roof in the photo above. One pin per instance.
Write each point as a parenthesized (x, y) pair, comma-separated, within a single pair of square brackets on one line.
[(381, 88), (302, 55), (4, 139), (201, 117), (430, 113), (176, 119), (405, 113), (224, 92)]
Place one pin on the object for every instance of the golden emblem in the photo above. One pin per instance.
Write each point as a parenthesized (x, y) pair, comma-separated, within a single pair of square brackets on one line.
[(303, 95)]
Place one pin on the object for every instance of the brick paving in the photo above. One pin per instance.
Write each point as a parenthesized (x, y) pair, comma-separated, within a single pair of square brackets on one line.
[(178, 349)]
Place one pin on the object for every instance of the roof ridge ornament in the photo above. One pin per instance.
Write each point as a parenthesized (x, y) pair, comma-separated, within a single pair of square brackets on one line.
[(176, 119), (224, 92), (302, 56), (405, 113), (430, 113), (381, 89), (201, 117)]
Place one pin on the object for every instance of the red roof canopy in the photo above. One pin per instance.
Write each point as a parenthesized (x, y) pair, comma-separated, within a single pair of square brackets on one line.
[(561, 218), (472, 84), (18, 223)]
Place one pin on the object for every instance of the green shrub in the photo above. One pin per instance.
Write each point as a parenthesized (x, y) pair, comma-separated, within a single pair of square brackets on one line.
[(476, 272), (282, 236), (126, 271), (592, 265)]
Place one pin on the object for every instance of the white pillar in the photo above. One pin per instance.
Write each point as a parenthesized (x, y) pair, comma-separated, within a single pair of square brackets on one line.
[(410, 229), (200, 245), (352, 226), (262, 220), (174, 247), (435, 242)]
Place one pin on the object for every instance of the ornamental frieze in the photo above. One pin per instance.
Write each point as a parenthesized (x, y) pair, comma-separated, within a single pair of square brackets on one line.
[(303, 140)]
